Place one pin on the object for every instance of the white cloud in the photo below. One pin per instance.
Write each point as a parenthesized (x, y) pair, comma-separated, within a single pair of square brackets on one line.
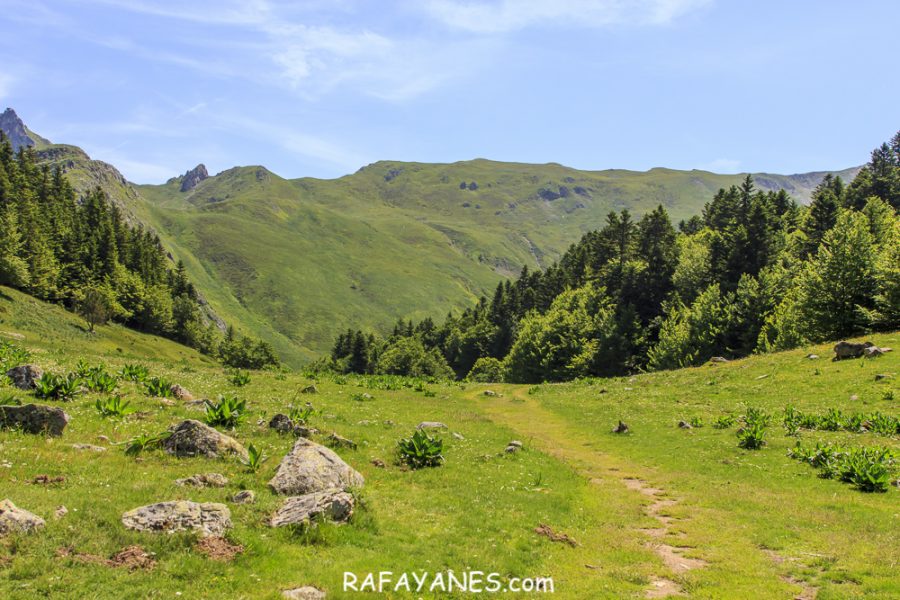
[(511, 15)]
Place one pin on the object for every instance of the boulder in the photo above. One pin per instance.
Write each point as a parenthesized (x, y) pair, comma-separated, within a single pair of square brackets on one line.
[(180, 393), (310, 467), (718, 359), (34, 418), (684, 425), (244, 497), (281, 423), (204, 480), (490, 393), (515, 444), (89, 447), (209, 518), (16, 520), (510, 449), (844, 350), (620, 428), (310, 389), (193, 438), (812, 356), (333, 504), (24, 376), (431, 425), (307, 592)]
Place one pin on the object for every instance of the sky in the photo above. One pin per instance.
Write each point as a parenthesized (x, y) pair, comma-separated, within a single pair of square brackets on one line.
[(323, 87)]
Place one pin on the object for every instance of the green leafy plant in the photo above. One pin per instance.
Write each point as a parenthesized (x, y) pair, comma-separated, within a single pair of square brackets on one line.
[(869, 469), (114, 406), (100, 381), (724, 422), (158, 387), (255, 458), (134, 372), (300, 414), (57, 387), (229, 411), (239, 378), (752, 436), (12, 355), (696, 422), (145, 441), (421, 450)]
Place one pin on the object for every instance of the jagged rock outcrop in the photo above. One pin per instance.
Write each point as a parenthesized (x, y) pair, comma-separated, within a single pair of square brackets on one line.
[(310, 467), (14, 128), (209, 518), (34, 418), (24, 376), (192, 178)]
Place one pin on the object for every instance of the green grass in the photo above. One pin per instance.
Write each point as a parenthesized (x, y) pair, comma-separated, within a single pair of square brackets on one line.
[(761, 520)]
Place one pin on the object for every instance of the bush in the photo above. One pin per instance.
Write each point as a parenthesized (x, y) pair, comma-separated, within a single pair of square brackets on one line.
[(486, 370), (57, 387), (239, 378), (142, 442), (12, 356), (158, 387), (868, 469), (407, 356), (229, 411), (751, 436), (421, 450), (136, 373), (724, 422), (112, 407), (100, 381)]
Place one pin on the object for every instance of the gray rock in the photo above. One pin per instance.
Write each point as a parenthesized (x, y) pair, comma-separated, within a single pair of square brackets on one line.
[(16, 520), (621, 428), (192, 178), (883, 376), (333, 505), (244, 497), (457, 436), (843, 350), (684, 425), (307, 592), (209, 518), (310, 389), (510, 449), (281, 423), (431, 425), (181, 393), (89, 447), (490, 393), (310, 467), (204, 480), (60, 512), (812, 356), (34, 418), (872, 352), (515, 443), (718, 359), (338, 441), (24, 376), (193, 438)]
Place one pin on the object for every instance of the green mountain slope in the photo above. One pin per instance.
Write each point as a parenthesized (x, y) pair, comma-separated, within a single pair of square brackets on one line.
[(298, 261)]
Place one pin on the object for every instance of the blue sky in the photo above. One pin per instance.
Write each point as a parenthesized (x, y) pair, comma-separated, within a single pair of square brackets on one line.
[(323, 87)]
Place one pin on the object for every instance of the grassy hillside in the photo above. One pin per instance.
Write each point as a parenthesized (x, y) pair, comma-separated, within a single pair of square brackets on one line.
[(299, 261), (642, 507)]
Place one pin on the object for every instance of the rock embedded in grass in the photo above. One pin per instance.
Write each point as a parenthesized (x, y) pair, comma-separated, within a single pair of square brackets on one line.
[(204, 480), (431, 425), (332, 504), (338, 441), (89, 447), (684, 425), (193, 438), (620, 428), (209, 518), (244, 497), (24, 376), (307, 592), (34, 418), (180, 392), (309, 468), (310, 389), (17, 520), (281, 423)]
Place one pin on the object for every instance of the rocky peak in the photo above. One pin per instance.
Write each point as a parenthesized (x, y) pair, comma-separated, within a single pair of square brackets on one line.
[(14, 128), (192, 178)]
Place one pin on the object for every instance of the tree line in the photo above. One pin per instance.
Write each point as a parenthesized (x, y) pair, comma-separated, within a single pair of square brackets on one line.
[(84, 254), (754, 272)]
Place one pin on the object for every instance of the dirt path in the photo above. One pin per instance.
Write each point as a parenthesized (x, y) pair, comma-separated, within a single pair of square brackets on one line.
[(553, 436)]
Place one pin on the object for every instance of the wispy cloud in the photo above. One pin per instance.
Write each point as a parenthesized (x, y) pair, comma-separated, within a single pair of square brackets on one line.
[(510, 15)]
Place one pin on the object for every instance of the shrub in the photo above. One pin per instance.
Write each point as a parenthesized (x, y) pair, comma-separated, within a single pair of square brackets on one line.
[(112, 407), (255, 458), (12, 355), (136, 373), (868, 469), (142, 442), (752, 436), (229, 411), (100, 381), (696, 422), (239, 378), (158, 387), (486, 370), (300, 415), (421, 450), (57, 387), (724, 422)]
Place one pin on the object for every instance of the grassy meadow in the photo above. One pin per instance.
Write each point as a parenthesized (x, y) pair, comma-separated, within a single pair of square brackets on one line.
[(753, 523)]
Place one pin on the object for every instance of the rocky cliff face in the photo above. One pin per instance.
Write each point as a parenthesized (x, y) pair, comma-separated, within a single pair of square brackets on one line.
[(14, 128), (192, 178)]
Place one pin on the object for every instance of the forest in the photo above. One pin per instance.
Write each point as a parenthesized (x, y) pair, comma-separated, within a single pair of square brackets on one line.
[(86, 254), (756, 272)]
